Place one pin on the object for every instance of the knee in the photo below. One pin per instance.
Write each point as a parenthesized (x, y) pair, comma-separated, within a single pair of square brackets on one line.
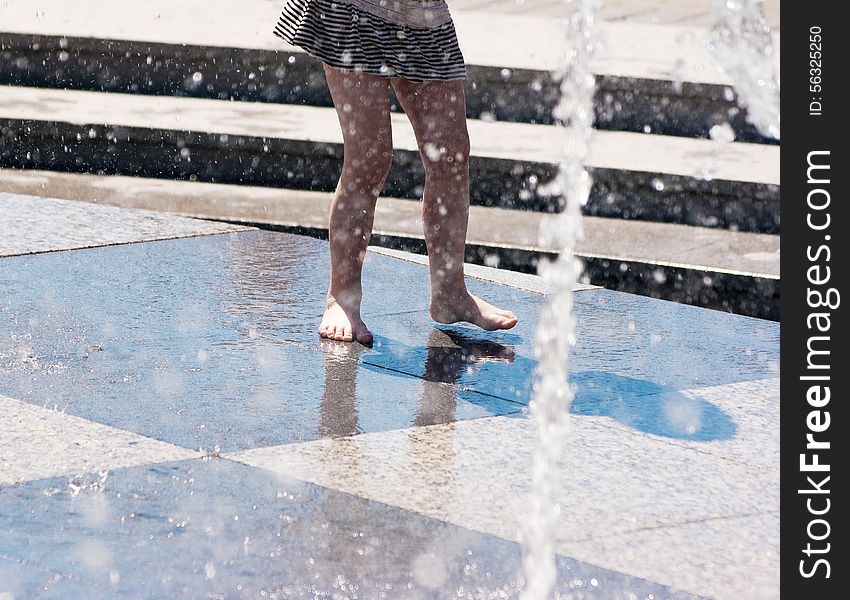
[(447, 159), (368, 171)]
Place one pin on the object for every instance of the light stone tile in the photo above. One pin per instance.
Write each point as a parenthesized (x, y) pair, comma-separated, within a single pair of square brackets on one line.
[(629, 501), (38, 443), (611, 481), (30, 224), (752, 408), (725, 558)]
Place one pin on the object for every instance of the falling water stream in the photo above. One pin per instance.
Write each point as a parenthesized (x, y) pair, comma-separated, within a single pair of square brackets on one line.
[(555, 332), (741, 43)]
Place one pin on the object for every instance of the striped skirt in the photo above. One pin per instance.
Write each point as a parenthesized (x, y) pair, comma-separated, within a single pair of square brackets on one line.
[(413, 39)]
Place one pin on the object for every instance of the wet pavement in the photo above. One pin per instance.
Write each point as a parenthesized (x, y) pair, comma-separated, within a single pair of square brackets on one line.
[(175, 428)]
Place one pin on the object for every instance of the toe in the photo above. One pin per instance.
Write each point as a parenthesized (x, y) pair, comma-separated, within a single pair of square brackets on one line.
[(364, 336), (346, 334), (509, 322)]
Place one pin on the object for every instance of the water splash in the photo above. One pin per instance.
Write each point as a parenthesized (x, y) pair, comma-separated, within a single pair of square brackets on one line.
[(742, 44), (555, 332)]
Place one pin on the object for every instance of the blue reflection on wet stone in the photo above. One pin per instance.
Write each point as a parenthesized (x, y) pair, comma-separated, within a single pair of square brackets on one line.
[(211, 341), (650, 408), (215, 528)]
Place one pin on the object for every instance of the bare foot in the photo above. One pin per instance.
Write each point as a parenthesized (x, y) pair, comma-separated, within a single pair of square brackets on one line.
[(469, 308), (343, 324)]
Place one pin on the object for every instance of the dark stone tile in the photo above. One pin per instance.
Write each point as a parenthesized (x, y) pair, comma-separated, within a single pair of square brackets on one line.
[(208, 342), (626, 346), (212, 341), (217, 529)]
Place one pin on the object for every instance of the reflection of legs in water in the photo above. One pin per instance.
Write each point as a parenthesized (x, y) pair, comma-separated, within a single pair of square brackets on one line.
[(439, 397), (437, 111), (337, 412), (448, 353)]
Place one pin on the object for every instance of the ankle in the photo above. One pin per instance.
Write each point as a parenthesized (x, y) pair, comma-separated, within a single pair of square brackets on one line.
[(449, 294), (348, 297)]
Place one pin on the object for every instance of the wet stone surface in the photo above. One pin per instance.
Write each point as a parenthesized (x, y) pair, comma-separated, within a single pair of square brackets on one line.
[(627, 347), (30, 224), (213, 528), (211, 342)]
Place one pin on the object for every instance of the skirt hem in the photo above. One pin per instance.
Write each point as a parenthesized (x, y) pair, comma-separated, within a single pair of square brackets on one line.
[(345, 37)]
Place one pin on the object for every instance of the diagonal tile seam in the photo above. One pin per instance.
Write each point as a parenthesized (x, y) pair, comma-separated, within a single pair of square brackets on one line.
[(670, 525), (124, 243), (482, 531), (523, 404), (607, 422), (101, 430), (233, 457), (206, 453), (459, 387), (53, 572)]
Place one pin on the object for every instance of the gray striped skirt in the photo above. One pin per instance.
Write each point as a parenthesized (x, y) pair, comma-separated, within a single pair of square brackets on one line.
[(412, 39)]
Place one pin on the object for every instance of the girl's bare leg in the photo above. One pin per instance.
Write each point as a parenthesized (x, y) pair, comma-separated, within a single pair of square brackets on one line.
[(363, 107), (437, 111)]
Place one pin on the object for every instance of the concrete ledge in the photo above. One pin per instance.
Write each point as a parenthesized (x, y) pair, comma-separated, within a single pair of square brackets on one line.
[(733, 271), (661, 178)]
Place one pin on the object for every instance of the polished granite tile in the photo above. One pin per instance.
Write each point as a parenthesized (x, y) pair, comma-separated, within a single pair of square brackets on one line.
[(205, 342), (30, 224), (214, 528), (611, 481), (647, 348), (231, 320), (39, 442), (727, 559), (253, 394), (264, 280), (738, 421)]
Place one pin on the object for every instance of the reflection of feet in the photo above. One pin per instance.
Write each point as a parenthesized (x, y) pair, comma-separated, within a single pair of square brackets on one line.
[(447, 308), (473, 351), (343, 324), (450, 351)]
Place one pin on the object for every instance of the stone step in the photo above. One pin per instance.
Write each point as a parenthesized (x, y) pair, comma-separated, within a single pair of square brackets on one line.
[(636, 176), (656, 78), (733, 271)]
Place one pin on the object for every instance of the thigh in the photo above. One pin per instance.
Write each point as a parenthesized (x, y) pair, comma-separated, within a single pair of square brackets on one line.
[(437, 111), (362, 104)]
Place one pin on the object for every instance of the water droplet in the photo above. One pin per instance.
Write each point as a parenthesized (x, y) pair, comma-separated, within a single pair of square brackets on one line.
[(722, 133)]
